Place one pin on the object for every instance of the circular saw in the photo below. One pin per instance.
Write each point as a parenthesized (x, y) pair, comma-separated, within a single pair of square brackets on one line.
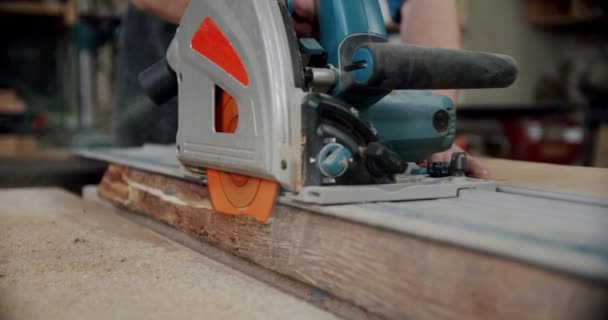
[(336, 118)]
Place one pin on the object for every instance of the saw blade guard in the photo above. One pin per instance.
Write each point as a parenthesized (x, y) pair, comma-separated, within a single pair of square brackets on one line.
[(246, 49)]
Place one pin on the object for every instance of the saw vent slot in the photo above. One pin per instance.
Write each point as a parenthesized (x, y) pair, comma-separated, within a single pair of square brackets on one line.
[(226, 112)]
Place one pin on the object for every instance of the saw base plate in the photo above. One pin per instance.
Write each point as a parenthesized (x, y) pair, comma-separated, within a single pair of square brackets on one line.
[(420, 188)]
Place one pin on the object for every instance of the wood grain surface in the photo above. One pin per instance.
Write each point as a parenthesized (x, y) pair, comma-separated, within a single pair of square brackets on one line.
[(65, 258), (389, 275)]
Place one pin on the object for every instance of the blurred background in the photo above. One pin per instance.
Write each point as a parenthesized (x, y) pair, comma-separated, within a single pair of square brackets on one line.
[(58, 67)]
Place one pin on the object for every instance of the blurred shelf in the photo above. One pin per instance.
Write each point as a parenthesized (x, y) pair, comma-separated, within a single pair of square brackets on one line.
[(33, 8), (21, 123), (566, 20), (564, 25), (65, 10), (503, 111), (565, 13)]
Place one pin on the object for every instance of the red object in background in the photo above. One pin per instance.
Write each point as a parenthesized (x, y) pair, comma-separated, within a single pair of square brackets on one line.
[(553, 140), (463, 143), (39, 122)]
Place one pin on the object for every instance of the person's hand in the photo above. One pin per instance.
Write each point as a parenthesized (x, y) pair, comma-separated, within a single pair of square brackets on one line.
[(475, 168), (304, 17)]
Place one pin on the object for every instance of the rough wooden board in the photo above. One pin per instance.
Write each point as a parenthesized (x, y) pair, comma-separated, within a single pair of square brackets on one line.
[(512, 223), (550, 177), (63, 258), (389, 275)]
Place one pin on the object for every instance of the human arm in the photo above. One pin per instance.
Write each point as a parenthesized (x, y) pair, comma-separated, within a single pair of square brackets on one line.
[(169, 10), (172, 11), (434, 23)]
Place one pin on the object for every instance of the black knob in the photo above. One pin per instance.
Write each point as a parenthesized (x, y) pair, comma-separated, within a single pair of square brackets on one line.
[(381, 161), (159, 82)]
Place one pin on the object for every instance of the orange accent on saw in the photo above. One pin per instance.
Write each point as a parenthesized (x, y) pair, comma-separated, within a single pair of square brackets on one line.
[(209, 41), (226, 112), (233, 193), (255, 197)]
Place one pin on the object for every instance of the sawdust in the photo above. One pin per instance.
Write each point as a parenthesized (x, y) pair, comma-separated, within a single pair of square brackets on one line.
[(79, 240), (61, 262)]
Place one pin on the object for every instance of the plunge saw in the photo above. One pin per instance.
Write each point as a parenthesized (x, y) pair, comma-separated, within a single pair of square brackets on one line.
[(339, 118)]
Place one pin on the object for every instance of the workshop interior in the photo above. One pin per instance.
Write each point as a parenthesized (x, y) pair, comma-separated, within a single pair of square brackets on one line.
[(232, 121)]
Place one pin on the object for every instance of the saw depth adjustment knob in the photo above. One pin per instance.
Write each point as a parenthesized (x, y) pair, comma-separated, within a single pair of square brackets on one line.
[(334, 160)]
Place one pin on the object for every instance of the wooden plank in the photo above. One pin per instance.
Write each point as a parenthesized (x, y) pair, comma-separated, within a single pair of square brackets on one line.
[(510, 225), (388, 274), (64, 258), (549, 177)]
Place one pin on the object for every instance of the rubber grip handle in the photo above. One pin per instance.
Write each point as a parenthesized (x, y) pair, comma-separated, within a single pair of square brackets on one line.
[(159, 82), (396, 66)]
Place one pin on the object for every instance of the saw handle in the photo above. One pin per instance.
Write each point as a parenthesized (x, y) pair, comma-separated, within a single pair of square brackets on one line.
[(388, 66), (159, 82)]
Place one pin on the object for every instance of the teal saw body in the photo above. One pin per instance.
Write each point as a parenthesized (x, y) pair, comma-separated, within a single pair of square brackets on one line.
[(415, 124), (385, 81)]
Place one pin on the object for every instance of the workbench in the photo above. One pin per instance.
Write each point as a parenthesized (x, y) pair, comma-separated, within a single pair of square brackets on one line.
[(66, 257)]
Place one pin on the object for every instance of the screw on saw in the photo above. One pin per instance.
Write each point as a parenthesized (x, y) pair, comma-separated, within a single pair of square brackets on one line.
[(329, 140)]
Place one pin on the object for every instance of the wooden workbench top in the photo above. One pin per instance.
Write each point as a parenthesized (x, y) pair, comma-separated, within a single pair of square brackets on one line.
[(549, 177), (64, 258)]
